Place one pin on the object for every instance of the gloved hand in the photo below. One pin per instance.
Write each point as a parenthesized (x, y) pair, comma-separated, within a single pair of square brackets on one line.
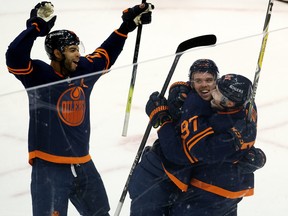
[(132, 17), (178, 92), (157, 110), (253, 160), (41, 16), (244, 134)]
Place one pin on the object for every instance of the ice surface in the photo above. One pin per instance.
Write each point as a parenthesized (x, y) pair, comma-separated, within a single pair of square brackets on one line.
[(238, 26)]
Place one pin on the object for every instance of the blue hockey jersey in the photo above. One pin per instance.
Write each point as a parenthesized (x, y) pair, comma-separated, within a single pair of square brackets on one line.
[(59, 126), (204, 155)]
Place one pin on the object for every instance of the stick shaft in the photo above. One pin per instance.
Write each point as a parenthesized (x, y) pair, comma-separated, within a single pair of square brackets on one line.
[(133, 79), (260, 57), (204, 40)]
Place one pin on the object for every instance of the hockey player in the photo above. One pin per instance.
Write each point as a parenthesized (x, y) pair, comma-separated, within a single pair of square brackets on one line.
[(59, 127), (151, 191)]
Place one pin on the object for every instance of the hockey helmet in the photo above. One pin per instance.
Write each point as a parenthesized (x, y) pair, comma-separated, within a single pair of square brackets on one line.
[(58, 40), (236, 88), (202, 66)]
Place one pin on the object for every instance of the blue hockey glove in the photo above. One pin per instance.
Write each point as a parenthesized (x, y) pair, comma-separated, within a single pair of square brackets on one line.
[(132, 17), (178, 92), (252, 161), (244, 134), (41, 16), (157, 110)]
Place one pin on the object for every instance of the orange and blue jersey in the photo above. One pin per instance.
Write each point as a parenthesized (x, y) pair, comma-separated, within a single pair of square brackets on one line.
[(59, 125), (204, 155)]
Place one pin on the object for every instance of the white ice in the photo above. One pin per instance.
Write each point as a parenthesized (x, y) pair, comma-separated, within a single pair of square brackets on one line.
[(238, 26)]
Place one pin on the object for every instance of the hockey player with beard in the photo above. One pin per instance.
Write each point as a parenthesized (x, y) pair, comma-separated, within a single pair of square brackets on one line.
[(59, 127)]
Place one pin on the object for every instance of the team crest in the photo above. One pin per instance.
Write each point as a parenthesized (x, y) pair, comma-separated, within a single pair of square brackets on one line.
[(71, 106)]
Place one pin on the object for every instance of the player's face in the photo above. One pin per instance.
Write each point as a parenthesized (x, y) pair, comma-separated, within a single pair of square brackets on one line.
[(203, 83), (219, 101), (72, 56)]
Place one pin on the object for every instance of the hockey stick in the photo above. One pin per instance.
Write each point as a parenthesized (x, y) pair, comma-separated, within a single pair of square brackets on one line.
[(204, 40), (260, 58), (284, 1), (133, 79)]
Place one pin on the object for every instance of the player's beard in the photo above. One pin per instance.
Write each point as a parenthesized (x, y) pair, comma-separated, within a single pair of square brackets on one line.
[(68, 67)]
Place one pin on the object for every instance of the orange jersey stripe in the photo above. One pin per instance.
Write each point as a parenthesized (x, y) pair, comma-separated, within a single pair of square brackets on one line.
[(231, 112), (104, 52), (190, 158), (57, 159), (247, 145), (97, 54), (22, 71), (198, 137), (119, 33), (220, 191), (176, 181)]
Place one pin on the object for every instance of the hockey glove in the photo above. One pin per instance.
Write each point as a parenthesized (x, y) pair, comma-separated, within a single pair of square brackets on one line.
[(178, 92), (252, 161), (41, 16), (244, 134), (157, 110), (132, 17)]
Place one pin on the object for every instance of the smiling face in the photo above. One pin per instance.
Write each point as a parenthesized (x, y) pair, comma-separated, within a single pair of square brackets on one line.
[(203, 83), (66, 62)]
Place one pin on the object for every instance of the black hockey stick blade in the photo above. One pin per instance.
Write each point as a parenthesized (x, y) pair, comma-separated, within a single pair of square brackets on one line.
[(284, 1), (203, 40)]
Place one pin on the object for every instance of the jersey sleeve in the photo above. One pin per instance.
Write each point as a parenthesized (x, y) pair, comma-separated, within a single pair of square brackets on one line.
[(18, 58), (171, 144), (172, 135), (105, 56), (209, 139), (197, 141)]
